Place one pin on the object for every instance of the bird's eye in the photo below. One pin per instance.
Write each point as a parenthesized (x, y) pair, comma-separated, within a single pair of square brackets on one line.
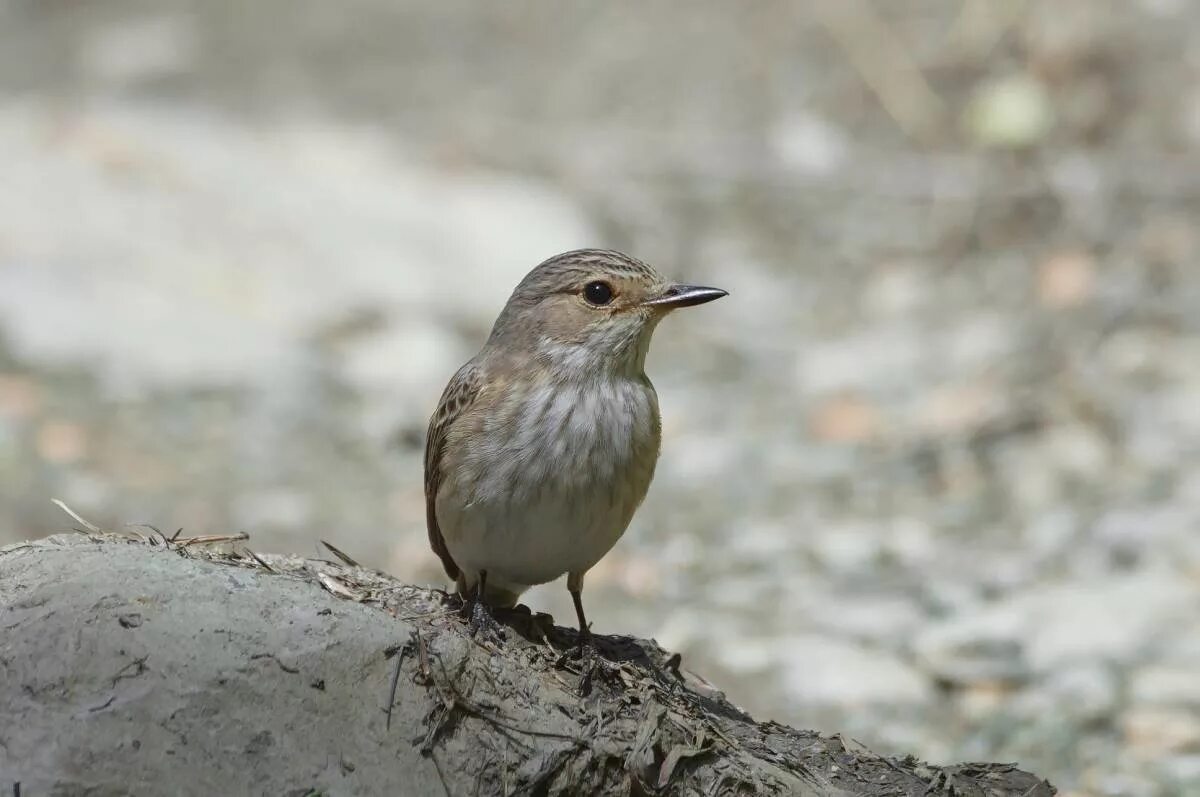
[(598, 293)]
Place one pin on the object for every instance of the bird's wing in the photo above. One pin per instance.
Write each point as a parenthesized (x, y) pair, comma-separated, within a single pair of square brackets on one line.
[(460, 394)]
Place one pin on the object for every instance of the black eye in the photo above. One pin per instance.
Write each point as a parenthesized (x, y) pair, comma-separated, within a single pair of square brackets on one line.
[(598, 293)]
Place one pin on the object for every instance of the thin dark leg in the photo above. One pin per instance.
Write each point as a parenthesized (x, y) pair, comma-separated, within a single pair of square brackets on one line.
[(585, 633), (481, 617), (591, 664)]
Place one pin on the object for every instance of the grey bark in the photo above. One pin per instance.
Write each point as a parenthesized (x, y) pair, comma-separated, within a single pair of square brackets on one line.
[(146, 666)]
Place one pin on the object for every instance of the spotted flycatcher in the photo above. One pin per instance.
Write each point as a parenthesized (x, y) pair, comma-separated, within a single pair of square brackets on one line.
[(544, 443)]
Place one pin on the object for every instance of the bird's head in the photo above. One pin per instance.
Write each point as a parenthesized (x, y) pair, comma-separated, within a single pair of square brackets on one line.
[(591, 309)]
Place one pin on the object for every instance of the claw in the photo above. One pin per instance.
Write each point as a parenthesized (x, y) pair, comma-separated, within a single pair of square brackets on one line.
[(484, 625), (592, 665)]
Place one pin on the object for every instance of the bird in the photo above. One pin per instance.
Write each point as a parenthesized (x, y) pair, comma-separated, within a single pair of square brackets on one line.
[(544, 443)]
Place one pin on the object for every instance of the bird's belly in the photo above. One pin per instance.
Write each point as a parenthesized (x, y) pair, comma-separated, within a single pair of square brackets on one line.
[(529, 504), (537, 541)]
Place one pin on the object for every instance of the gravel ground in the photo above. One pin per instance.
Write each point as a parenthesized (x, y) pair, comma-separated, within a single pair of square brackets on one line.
[(940, 444)]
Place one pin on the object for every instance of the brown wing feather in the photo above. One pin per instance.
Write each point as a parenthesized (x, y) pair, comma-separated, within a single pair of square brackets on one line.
[(462, 391)]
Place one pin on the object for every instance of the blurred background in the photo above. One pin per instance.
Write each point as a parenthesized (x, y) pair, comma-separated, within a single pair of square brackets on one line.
[(930, 476)]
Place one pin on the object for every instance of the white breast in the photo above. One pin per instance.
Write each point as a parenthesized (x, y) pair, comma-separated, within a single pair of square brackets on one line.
[(551, 481)]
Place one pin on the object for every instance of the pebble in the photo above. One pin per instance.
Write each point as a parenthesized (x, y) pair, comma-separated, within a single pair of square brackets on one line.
[(1014, 111), (1066, 279)]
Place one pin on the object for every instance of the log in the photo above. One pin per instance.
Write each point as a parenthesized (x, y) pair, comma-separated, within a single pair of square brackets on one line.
[(139, 664)]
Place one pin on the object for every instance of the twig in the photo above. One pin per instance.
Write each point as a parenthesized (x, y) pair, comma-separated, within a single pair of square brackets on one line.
[(443, 613), (92, 527), (282, 666), (262, 562), (149, 537), (399, 654), (121, 674), (340, 554), (441, 777), (339, 588), (206, 539)]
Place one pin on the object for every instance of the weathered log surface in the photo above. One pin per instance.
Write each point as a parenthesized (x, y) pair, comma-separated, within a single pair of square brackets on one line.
[(144, 666)]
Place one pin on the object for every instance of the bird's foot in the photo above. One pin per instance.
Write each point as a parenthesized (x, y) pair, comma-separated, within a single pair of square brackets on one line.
[(483, 625), (592, 666), (524, 622)]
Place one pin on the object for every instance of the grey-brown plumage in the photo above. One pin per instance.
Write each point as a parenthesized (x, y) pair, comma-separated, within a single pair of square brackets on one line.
[(544, 444)]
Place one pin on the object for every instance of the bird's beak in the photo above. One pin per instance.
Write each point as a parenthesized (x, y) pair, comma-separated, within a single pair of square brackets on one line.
[(684, 296)]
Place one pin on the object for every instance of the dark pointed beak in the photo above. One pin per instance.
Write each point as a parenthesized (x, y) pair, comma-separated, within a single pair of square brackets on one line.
[(685, 296)]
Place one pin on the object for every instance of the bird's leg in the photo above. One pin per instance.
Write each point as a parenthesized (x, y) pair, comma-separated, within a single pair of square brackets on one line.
[(482, 621), (585, 632), (592, 664)]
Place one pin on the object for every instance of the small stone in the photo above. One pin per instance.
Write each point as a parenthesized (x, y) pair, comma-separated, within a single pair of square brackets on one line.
[(1011, 112), (1066, 279), (846, 418)]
